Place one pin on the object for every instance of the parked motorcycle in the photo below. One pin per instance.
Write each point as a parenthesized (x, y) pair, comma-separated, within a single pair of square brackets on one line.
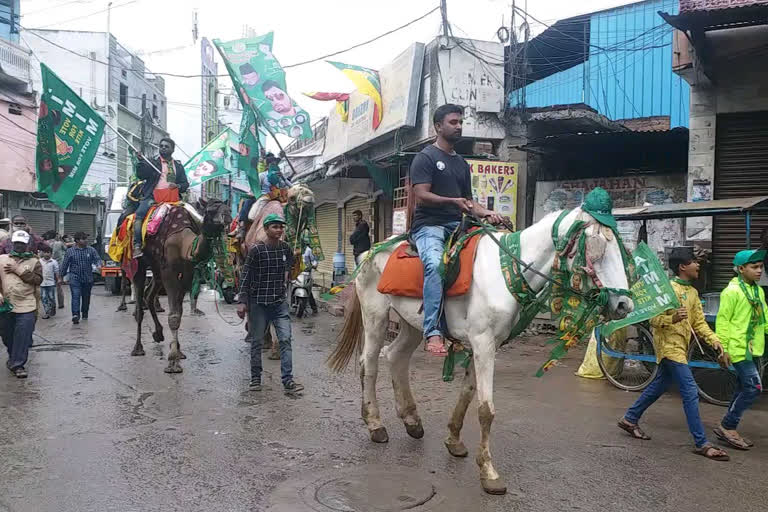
[(301, 293)]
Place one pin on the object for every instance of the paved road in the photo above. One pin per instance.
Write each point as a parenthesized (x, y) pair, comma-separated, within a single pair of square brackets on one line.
[(94, 429)]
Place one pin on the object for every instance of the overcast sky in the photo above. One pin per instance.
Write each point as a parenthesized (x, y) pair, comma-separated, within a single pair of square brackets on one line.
[(304, 29)]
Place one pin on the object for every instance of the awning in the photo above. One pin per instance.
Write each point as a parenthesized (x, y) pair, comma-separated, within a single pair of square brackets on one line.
[(737, 206), (718, 19)]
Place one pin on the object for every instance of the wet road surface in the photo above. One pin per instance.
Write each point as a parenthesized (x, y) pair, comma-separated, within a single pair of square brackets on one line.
[(94, 429)]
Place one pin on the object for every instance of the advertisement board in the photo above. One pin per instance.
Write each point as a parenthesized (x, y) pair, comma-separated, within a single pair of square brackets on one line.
[(400, 81), (494, 185)]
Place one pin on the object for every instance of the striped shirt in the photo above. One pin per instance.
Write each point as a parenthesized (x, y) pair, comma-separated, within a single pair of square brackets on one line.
[(79, 262), (264, 273)]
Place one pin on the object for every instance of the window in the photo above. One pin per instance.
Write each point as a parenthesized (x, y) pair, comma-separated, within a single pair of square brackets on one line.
[(124, 95), (154, 111), (14, 108), (124, 73), (154, 96)]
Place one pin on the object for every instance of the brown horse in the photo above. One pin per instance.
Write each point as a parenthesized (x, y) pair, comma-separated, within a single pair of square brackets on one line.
[(172, 255)]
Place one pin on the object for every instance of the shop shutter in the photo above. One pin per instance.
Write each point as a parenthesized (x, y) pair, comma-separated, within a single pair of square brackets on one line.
[(741, 170), (362, 204), (40, 221), (74, 222), (327, 227)]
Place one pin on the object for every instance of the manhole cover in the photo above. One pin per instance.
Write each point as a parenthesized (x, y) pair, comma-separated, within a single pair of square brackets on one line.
[(379, 490), (374, 488)]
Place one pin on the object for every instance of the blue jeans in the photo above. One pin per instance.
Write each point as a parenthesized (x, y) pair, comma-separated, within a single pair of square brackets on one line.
[(748, 389), (259, 318), (430, 241), (80, 292), (141, 212), (48, 296), (680, 374), (17, 337)]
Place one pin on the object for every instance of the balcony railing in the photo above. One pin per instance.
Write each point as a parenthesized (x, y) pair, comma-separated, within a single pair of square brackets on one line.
[(15, 61)]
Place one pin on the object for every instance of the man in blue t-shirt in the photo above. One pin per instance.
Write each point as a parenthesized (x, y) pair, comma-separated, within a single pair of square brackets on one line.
[(443, 190)]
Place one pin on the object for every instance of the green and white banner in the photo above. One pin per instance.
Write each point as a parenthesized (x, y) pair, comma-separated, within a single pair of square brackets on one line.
[(652, 293), (260, 82), (68, 136), (214, 160)]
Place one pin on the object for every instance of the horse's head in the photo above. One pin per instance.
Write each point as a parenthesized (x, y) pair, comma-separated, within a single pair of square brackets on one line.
[(302, 195), (604, 266), (216, 215)]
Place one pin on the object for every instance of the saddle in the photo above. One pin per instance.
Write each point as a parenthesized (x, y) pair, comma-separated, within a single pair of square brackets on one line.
[(403, 274)]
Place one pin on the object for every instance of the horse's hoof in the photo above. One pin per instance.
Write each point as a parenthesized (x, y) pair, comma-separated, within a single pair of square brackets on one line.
[(138, 352), (182, 355), (173, 368), (122, 307), (496, 486), (158, 337), (415, 431), (457, 449), (159, 310), (380, 435)]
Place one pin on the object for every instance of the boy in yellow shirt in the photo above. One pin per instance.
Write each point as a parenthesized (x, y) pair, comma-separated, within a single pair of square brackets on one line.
[(741, 325), (672, 337)]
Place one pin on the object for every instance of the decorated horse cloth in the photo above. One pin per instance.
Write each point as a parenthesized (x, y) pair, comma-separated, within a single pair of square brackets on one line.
[(403, 274)]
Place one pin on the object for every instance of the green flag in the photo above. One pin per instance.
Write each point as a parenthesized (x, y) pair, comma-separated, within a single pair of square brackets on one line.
[(652, 293), (260, 83), (214, 160), (252, 139), (68, 135)]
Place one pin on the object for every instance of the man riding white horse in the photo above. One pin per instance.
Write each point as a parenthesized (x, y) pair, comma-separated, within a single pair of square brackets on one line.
[(443, 190)]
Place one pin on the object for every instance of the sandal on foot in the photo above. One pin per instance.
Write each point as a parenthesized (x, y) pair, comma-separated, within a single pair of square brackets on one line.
[(633, 430), (436, 348), (712, 453), (735, 442)]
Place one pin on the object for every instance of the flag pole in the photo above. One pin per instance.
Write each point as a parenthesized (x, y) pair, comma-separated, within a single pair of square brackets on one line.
[(132, 147), (280, 147)]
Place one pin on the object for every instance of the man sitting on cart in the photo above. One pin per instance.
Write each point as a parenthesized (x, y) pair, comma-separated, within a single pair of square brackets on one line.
[(671, 339), (741, 324)]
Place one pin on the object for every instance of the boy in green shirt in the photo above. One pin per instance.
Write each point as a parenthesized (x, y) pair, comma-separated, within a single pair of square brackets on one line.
[(741, 327)]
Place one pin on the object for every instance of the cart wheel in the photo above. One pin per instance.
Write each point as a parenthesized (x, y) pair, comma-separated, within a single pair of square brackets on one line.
[(716, 385), (628, 373)]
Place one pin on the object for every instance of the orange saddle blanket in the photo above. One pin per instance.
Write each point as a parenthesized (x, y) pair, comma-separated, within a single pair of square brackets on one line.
[(403, 274)]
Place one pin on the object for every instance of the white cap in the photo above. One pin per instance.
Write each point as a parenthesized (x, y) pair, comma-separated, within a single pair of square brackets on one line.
[(20, 236)]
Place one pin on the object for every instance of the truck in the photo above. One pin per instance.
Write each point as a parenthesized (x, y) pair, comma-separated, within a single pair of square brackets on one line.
[(110, 269)]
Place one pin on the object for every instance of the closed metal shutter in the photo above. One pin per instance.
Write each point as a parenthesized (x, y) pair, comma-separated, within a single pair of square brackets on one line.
[(40, 221), (741, 170), (362, 204), (328, 229), (74, 222)]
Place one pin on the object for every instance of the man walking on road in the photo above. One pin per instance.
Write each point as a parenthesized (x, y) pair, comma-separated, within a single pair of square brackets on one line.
[(51, 278), (443, 190), (20, 275), (361, 237), (78, 263), (19, 223), (741, 324), (672, 337), (263, 298)]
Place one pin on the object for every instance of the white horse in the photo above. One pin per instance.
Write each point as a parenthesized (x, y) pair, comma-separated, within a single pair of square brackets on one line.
[(483, 318)]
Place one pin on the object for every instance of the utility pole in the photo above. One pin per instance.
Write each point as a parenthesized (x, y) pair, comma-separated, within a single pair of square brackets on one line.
[(444, 14)]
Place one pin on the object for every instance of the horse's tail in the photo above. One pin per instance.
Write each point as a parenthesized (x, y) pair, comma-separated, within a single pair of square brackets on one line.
[(350, 339)]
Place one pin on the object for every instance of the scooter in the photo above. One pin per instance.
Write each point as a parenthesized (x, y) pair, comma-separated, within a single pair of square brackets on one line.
[(301, 289)]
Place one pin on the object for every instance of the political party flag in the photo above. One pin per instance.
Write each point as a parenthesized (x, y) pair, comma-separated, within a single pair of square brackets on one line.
[(214, 160), (367, 82), (341, 98), (68, 135), (251, 140), (652, 293), (260, 83)]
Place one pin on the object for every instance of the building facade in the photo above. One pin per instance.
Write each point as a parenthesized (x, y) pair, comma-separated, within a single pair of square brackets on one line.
[(719, 51)]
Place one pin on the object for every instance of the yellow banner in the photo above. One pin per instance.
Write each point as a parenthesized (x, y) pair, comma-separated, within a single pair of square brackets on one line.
[(494, 185)]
